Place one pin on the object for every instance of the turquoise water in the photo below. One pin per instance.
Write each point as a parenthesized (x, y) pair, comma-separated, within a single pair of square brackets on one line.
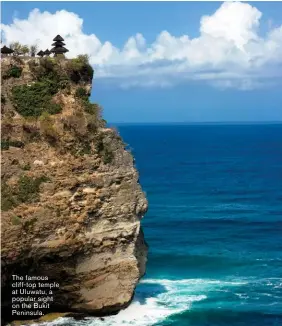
[(214, 226)]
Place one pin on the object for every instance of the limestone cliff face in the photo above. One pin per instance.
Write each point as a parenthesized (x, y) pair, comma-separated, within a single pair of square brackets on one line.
[(71, 201)]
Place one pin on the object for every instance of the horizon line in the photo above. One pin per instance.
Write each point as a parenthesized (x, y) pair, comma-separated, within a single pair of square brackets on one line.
[(199, 123)]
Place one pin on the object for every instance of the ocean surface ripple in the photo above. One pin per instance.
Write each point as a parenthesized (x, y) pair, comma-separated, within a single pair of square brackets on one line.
[(214, 226)]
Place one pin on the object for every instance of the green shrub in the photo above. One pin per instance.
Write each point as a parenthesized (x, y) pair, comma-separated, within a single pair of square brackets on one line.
[(28, 188), (83, 58), (5, 144), (45, 117), (81, 93), (64, 84), (16, 143), (16, 220), (104, 150), (87, 71), (92, 108), (53, 108), (26, 167), (51, 83), (34, 99), (79, 69), (29, 101), (3, 99), (108, 156), (49, 71), (7, 199), (14, 72)]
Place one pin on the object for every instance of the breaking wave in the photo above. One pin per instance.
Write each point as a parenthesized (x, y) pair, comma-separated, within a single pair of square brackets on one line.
[(156, 300)]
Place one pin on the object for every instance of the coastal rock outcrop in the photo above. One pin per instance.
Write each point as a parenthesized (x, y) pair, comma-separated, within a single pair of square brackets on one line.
[(71, 200)]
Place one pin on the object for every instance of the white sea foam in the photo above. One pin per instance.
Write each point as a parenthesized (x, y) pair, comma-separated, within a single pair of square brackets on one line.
[(191, 281), (242, 295), (174, 298), (153, 309), (157, 299)]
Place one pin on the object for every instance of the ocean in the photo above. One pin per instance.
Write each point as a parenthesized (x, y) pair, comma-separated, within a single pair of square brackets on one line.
[(214, 226)]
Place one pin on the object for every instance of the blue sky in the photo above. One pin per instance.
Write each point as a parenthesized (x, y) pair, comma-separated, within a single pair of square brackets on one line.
[(156, 80)]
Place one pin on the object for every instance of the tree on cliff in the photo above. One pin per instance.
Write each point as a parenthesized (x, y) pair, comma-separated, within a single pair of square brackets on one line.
[(19, 48), (33, 50)]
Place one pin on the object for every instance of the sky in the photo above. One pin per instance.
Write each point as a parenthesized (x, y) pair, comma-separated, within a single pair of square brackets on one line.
[(166, 61)]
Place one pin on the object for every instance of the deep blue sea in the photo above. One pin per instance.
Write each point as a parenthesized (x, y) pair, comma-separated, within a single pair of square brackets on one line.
[(214, 225)]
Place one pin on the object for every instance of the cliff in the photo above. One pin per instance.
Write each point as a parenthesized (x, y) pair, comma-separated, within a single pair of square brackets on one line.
[(71, 201)]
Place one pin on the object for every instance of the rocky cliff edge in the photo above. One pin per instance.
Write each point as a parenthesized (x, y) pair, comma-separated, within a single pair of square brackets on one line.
[(71, 201)]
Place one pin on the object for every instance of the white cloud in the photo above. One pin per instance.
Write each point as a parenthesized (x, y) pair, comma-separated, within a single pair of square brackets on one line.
[(228, 53), (235, 22)]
